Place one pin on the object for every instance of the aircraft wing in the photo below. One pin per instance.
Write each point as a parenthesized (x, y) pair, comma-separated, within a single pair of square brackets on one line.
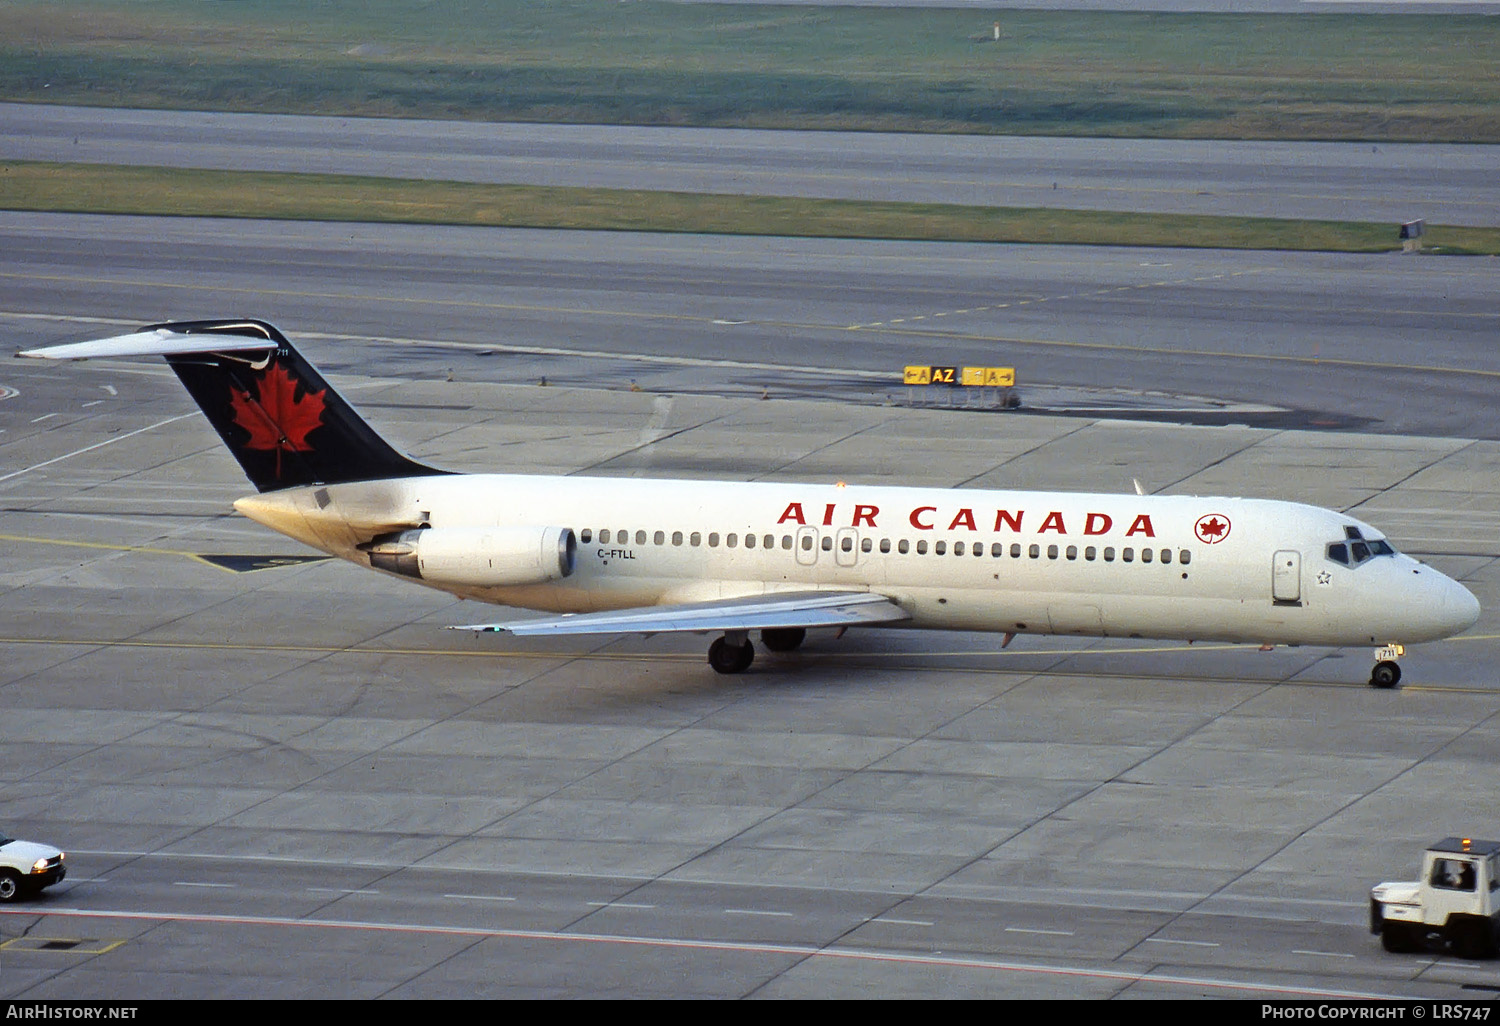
[(783, 609)]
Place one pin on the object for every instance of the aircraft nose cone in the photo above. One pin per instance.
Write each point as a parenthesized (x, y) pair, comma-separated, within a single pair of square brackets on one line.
[(1460, 608)]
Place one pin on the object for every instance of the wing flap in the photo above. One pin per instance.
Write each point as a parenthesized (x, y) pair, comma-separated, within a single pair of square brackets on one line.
[(798, 609)]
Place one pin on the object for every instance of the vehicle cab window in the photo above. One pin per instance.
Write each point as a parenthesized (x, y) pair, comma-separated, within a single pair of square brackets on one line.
[(1453, 874)]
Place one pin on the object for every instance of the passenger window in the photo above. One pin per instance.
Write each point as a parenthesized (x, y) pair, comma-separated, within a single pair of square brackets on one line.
[(939, 548), (828, 543), (730, 540), (1072, 552), (1051, 551), (1145, 555), (604, 537), (713, 539), (958, 548), (1015, 550), (1035, 551), (866, 545), (1089, 553), (786, 541), (695, 539), (807, 543), (659, 538), (1109, 554), (903, 547), (586, 535), (749, 541), (676, 537), (885, 545), (769, 542), (922, 547), (847, 544), (978, 549), (640, 537), (1127, 555), (1166, 555), (997, 550), (1184, 557)]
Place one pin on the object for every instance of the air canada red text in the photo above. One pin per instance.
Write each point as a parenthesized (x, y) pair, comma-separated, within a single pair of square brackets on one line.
[(935, 518)]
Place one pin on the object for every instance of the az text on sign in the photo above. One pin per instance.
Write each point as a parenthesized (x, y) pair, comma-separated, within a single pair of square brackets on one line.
[(989, 377)]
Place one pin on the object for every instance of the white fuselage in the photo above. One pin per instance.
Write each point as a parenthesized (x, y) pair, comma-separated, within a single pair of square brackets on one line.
[(1024, 562)]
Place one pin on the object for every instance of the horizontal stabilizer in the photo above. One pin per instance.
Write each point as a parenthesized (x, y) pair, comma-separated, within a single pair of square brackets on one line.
[(793, 609), (283, 422), (160, 342)]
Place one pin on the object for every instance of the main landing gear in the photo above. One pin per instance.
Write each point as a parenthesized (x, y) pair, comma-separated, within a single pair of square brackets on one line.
[(733, 653), (1387, 672), (782, 639)]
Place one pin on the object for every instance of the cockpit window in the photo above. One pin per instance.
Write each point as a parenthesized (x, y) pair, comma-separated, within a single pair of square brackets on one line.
[(1355, 549)]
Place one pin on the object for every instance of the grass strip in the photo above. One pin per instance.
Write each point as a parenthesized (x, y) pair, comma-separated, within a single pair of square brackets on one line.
[(117, 189)]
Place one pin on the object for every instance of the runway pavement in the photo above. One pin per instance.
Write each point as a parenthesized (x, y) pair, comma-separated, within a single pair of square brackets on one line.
[(1447, 184), (1394, 344), (1177, 6), (291, 781)]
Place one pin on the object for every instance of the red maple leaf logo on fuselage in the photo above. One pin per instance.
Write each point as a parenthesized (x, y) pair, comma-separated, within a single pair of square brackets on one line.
[(1212, 529), (277, 419)]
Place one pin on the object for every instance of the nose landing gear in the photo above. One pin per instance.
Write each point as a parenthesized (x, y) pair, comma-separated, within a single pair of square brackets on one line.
[(1387, 672)]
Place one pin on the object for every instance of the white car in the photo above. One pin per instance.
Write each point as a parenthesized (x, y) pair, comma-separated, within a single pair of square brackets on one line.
[(27, 867)]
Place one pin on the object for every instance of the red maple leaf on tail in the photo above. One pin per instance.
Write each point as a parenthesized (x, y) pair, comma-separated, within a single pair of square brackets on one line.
[(276, 419)]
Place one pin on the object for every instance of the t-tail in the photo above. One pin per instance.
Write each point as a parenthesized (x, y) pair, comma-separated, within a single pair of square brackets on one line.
[(283, 422)]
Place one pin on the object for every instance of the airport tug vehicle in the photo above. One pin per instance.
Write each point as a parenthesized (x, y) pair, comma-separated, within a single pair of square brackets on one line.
[(1455, 904)]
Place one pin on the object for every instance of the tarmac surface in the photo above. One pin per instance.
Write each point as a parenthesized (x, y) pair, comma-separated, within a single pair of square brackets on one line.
[(1442, 183), (280, 776), (1389, 343)]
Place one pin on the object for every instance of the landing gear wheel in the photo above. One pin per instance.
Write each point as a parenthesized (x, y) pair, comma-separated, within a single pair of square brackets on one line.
[(1475, 941), (1386, 674), (731, 657), (10, 886), (1398, 938), (782, 639)]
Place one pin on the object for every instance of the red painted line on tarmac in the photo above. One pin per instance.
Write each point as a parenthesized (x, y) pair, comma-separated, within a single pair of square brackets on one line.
[(745, 947)]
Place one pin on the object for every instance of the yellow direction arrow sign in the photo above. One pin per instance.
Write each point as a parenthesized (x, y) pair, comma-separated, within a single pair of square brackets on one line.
[(998, 377), (918, 376)]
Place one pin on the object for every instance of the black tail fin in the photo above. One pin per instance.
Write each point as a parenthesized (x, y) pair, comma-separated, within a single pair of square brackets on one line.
[(283, 422)]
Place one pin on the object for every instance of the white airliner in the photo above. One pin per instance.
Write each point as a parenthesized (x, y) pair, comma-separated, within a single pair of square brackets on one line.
[(730, 558)]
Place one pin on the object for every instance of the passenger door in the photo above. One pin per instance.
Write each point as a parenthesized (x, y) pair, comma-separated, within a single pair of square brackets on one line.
[(1286, 577)]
